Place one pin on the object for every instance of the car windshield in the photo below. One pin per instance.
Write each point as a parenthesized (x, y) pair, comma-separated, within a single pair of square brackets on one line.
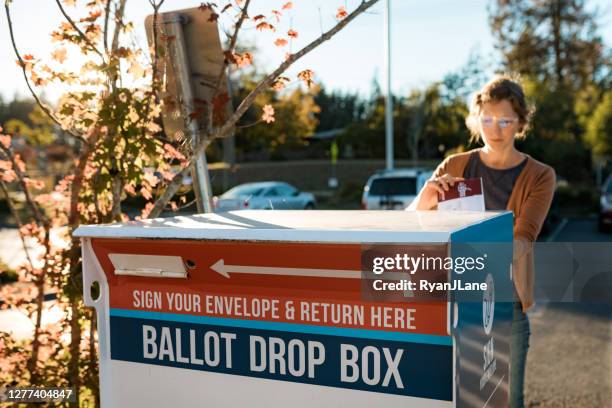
[(393, 186), (242, 191)]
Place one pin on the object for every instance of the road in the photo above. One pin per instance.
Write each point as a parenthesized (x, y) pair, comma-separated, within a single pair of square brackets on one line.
[(570, 357)]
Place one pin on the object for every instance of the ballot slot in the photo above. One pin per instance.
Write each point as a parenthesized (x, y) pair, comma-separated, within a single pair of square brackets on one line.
[(156, 266)]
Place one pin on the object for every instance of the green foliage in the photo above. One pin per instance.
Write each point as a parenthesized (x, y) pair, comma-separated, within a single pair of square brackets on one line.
[(565, 66), (552, 41), (295, 120), (599, 127)]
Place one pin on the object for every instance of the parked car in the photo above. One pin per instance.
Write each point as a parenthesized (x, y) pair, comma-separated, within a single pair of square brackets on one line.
[(265, 195), (605, 206), (393, 189)]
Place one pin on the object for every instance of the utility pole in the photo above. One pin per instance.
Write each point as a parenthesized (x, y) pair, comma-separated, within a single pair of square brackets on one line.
[(389, 93)]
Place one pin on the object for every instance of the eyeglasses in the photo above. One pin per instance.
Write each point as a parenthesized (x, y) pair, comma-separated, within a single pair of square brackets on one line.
[(488, 121)]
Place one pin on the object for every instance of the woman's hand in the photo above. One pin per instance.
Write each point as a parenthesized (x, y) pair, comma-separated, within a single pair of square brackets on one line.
[(441, 184), (428, 196)]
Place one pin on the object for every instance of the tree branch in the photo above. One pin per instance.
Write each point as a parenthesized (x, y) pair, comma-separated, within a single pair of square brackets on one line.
[(78, 30), (232, 44), (22, 64), (38, 216), (118, 22), (15, 215), (173, 186), (107, 12)]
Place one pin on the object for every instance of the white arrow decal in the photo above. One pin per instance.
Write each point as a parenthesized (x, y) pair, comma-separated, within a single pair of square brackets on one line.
[(221, 268)]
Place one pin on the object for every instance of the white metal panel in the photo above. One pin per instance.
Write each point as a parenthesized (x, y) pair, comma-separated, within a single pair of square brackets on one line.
[(299, 226)]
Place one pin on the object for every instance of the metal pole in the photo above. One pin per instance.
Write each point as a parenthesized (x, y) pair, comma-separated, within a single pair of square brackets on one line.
[(199, 172), (389, 94), (229, 143)]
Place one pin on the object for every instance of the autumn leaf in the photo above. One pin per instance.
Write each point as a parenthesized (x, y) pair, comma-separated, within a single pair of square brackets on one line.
[(207, 6), (230, 57), (6, 171), (35, 184), (170, 152), (292, 33), (259, 17), (244, 60), (280, 42), (265, 26), (28, 57), (5, 140), (93, 16), (280, 83), (148, 208), (59, 55), (288, 5), (20, 163), (129, 188), (341, 13), (150, 178), (268, 114), (277, 14), (306, 76), (219, 104), (136, 70)]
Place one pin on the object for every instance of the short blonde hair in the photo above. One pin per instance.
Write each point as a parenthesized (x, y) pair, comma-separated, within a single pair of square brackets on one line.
[(503, 87)]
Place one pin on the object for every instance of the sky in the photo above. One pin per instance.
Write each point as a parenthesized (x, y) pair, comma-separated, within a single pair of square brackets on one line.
[(429, 39)]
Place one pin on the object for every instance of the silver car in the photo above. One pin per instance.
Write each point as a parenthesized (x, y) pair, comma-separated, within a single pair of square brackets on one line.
[(266, 195), (393, 189)]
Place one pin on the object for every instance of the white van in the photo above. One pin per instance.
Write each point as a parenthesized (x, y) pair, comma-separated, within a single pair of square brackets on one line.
[(393, 189)]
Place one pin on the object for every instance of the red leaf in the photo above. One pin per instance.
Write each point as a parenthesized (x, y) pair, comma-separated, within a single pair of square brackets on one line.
[(288, 5), (341, 13), (259, 17), (265, 26), (292, 33), (268, 114), (280, 42), (219, 103), (230, 57), (280, 83), (277, 14), (207, 6), (244, 59), (306, 76)]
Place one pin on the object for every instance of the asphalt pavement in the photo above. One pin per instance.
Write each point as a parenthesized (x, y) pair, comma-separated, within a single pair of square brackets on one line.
[(569, 363)]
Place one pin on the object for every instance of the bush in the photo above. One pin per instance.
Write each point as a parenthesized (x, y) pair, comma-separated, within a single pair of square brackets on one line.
[(7, 275)]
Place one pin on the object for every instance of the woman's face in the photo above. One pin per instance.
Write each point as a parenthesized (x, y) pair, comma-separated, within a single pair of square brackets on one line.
[(498, 124)]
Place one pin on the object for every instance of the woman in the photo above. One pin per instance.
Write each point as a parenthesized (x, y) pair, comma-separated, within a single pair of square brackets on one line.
[(512, 180)]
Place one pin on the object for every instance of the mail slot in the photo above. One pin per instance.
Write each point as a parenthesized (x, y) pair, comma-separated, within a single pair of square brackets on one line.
[(279, 308)]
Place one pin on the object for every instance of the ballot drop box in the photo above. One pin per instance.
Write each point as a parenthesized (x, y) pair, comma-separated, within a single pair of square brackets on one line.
[(302, 309)]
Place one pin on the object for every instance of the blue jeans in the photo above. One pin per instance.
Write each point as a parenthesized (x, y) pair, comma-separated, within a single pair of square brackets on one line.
[(519, 344)]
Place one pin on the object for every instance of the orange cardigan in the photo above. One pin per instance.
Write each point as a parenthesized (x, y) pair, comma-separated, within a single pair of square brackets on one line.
[(530, 201)]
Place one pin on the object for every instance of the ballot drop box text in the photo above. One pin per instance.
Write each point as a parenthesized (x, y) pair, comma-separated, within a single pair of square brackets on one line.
[(303, 309)]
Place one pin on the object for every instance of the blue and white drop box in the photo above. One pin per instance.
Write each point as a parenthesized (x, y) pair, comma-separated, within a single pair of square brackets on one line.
[(268, 309)]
